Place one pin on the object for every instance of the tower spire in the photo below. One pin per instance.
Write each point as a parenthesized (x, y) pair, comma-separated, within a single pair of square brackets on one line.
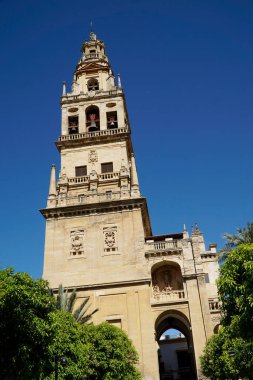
[(52, 185), (134, 178), (51, 200)]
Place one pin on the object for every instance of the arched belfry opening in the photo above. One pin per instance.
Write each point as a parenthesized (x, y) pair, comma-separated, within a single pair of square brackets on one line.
[(92, 119), (93, 84), (175, 351)]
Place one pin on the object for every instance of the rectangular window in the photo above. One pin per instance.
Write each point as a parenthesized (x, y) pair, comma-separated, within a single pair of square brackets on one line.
[(107, 167), (81, 171), (207, 278), (92, 53), (115, 322), (108, 194)]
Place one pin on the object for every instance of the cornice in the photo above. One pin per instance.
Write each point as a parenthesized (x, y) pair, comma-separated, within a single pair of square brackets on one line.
[(70, 99), (108, 285)]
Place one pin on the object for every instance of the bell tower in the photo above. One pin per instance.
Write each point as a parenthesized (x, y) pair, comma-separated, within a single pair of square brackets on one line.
[(96, 217), (99, 238)]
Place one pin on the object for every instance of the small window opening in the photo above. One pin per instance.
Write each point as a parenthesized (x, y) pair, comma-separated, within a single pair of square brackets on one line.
[(73, 125), (81, 198), (81, 171), (93, 54), (108, 194), (107, 167), (207, 280), (92, 84), (92, 119), (112, 120)]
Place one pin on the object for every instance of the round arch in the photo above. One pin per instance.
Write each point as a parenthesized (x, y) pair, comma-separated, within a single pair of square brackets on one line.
[(175, 353), (92, 118), (173, 319), (167, 276)]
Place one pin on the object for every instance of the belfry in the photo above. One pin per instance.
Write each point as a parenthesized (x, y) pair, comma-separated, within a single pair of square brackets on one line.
[(160, 289)]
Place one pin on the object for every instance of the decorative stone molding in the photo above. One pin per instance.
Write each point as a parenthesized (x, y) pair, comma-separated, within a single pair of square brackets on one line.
[(93, 156), (77, 243), (110, 239)]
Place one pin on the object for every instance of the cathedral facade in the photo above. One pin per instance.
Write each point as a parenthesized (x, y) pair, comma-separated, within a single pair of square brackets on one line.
[(99, 238)]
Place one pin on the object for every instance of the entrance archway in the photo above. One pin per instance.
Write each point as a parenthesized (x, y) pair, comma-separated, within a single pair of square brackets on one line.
[(175, 352)]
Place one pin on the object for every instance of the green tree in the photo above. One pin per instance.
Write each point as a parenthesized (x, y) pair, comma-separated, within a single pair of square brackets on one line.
[(33, 331), (67, 344), (25, 331), (243, 236), (101, 352), (66, 302), (235, 288), (112, 355)]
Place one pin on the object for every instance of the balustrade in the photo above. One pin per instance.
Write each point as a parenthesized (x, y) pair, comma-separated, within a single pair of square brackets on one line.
[(106, 176), (85, 135), (167, 294), (163, 245), (82, 179), (214, 305)]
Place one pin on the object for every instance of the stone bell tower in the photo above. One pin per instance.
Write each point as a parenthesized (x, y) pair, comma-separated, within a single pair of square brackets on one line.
[(98, 232)]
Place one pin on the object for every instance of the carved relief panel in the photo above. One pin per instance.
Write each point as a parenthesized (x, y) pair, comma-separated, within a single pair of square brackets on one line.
[(110, 238), (77, 243), (93, 156)]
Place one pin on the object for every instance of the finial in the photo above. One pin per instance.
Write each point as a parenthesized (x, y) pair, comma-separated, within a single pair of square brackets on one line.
[(185, 233), (52, 185), (93, 36), (196, 227), (64, 92), (119, 81), (192, 228)]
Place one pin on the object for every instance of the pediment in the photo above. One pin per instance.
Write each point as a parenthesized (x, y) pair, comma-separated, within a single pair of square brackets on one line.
[(91, 66)]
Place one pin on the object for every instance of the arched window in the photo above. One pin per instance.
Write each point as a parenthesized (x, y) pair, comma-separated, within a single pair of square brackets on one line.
[(92, 119), (93, 84)]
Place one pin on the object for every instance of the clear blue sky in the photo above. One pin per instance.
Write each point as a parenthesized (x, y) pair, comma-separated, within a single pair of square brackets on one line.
[(187, 70)]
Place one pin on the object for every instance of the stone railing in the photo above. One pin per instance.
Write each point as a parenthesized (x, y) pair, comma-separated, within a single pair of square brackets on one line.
[(83, 179), (167, 295), (91, 198), (162, 249), (101, 178), (85, 135), (214, 305), (106, 176)]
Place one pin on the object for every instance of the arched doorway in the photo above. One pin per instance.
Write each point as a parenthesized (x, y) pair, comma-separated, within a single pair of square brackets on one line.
[(175, 352)]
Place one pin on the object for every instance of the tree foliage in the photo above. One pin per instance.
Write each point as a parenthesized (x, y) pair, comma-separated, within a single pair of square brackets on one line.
[(66, 302), (25, 331), (229, 354), (112, 355), (33, 331), (243, 236)]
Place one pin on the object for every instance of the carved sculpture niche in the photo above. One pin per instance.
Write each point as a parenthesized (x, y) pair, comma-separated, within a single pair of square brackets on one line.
[(167, 278)]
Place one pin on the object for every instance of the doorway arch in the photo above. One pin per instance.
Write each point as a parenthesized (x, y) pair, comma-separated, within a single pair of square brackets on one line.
[(175, 353)]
